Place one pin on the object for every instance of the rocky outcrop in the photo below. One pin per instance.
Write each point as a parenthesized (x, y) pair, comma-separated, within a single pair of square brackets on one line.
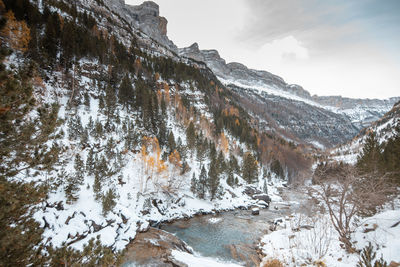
[(238, 72), (256, 194), (153, 248), (145, 17)]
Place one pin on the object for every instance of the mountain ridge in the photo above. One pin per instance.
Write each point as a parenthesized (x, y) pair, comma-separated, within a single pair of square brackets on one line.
[(242, 73), (146, 17), (358, 112)]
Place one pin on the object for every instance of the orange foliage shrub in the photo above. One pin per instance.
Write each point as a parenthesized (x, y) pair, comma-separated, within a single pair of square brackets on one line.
[(273, 263), (96, 31), (137, 65), (237, 122), (159, 96), (16, 33), (224, 143), (166, 90), (37, 81), (175, 159), (152, 163)]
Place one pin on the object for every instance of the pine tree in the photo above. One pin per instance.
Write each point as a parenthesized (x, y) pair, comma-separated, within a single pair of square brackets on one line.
[(90, 125), (213, 180), (79, 169), (68, 44), (50, 41), (75, 180), (162, 133), (202, 183), (75, 128), (231, 179), (22, 143), (97, 186), (20, 234), (368, 256), (90, 161), (84, 138), (110, 103), (212, 151), (171, 143), (71, 189), (370, 156), (109, 150), (276, 168), (102, 168), (126, 94), (98, 129), (163, 107), (191, 137), (391, 157), (220, 164), (201, 152), (194, 185), (234, 165), (249, 168), (109, 201)]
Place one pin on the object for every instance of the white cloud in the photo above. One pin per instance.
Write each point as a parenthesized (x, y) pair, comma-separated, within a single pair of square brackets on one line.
[(285, 48)]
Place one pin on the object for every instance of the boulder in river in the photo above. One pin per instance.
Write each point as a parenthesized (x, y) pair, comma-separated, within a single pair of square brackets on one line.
[(263, 197), (256, 194), (255, 211), (153, 248)]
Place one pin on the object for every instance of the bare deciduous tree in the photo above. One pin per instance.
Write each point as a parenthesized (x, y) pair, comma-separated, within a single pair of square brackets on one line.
[(346, 194)]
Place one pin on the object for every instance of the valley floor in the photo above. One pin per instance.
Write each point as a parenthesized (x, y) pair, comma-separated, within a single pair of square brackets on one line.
[(304, 240)]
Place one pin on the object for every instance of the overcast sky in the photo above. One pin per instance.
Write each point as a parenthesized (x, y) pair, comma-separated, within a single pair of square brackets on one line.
[(330, 47)]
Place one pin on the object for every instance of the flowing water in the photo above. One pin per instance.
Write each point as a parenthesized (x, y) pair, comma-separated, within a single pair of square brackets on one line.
[(228, 236), (232, 236)]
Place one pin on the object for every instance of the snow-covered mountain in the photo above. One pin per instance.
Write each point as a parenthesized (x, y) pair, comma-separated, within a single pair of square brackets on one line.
[(136, 136), (384, 129), (139, 131), (342, 119)]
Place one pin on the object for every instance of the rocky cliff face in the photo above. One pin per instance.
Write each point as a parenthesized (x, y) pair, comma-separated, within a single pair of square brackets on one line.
[(145, 17), (352, 114), (296, 120), (232, 71), (362, 112), (359, 112)]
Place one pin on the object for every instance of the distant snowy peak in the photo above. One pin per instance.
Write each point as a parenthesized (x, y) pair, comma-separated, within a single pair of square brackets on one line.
[(384, 128), (360, 111)]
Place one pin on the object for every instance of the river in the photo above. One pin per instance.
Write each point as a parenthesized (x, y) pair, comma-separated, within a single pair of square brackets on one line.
[(229, 236)]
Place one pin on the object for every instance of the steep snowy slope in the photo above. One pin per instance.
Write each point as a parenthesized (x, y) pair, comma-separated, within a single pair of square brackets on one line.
[(138, 136), (384, 128), (350, 115)]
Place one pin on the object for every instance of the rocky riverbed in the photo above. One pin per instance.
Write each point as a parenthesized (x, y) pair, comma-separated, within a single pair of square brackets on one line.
[(231, 236)]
